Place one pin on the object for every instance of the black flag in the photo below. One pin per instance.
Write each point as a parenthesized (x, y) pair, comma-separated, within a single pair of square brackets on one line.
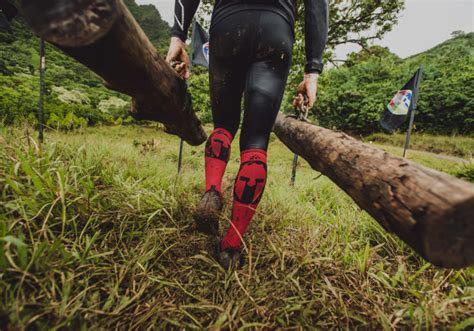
[(7, 12), (400, 107), (200, 46)]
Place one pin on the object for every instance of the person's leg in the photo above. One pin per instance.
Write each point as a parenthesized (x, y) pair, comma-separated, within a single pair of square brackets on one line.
[(227, 74), (217, 155), (264, 90)]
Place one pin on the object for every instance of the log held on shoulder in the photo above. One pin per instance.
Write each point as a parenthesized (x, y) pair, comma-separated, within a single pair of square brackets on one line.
[(431, 211), (104, 36)]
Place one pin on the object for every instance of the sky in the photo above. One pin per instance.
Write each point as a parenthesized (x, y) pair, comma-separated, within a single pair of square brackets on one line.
[(422, 25)]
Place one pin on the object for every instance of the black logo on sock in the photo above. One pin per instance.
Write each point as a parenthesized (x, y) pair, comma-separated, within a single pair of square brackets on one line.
[(217, 148), (250, 182)]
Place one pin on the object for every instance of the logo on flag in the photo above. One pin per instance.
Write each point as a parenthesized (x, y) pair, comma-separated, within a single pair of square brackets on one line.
[(400, 104), (399, 108), (205, 51), (200, 46)]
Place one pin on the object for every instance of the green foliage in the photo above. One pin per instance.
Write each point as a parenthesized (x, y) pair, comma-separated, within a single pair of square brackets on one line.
[(353, 96), (64, 109), (447, 92), (367, 54), (466, 172), (358, 22), (452, 154), (460, 146), (75, 96), (149, 18), (355, 22), (349, 22), (199, 89)]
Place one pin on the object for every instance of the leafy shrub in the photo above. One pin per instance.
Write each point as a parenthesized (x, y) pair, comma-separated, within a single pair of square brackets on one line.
[(466, 172), (353, 96)]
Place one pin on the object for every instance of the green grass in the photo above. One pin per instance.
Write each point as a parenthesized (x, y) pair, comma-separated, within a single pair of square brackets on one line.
[(460, 146), (96, 233)]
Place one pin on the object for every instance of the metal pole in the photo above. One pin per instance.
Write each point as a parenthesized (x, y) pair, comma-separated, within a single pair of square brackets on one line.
[(293, 173), (181, 144), (301, 116), (180, 158), (41, 95), (412, 113), (408, 137)]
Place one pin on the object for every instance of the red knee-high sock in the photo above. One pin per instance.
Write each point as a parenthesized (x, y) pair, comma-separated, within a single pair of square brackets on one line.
[(248, 190), (217, 155)]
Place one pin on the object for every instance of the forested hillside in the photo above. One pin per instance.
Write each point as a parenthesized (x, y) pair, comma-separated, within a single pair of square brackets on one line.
[(75, 96), (351, 97)]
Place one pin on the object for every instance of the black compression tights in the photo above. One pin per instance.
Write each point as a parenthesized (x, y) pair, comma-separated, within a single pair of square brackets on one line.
[(250, 55)]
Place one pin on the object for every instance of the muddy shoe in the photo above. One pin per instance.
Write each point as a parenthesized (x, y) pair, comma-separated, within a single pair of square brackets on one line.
[(208, 212), (231, 259)]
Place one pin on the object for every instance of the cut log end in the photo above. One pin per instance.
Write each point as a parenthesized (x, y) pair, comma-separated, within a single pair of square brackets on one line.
[(71, 23), (448, 241)]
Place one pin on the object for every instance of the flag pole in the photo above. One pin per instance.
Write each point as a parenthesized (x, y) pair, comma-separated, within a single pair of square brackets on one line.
[(41, 92), (408, 136), (181, 143), (180, 158), (413, 109), (293, 172)]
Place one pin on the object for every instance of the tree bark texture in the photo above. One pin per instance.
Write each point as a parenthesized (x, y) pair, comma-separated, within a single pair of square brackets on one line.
[(104, 36), (429, 210)]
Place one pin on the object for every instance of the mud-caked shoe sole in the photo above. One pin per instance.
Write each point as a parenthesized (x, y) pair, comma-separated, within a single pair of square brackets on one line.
[(231, 259), (207, 222), (208, 213)]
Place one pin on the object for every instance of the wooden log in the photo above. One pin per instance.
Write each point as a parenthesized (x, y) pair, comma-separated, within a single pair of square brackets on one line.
[(104, 36), (429, 210)]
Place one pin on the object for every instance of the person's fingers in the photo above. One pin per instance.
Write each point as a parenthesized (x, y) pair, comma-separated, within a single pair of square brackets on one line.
[(301, 88), (172, 55), (187, 72), (298, 101), (179, 68), (183, 58), (295, 102)]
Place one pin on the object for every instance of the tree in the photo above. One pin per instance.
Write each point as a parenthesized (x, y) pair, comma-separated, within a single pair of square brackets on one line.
[(352, 97), (350, 21), (365, 54), (356, 22)]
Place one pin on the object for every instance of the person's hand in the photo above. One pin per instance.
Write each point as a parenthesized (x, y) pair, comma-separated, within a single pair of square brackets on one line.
[(308, 87), (177, 53)]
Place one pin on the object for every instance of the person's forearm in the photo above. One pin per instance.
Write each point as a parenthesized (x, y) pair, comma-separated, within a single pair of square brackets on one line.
[(316, 34), (184, 11)]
